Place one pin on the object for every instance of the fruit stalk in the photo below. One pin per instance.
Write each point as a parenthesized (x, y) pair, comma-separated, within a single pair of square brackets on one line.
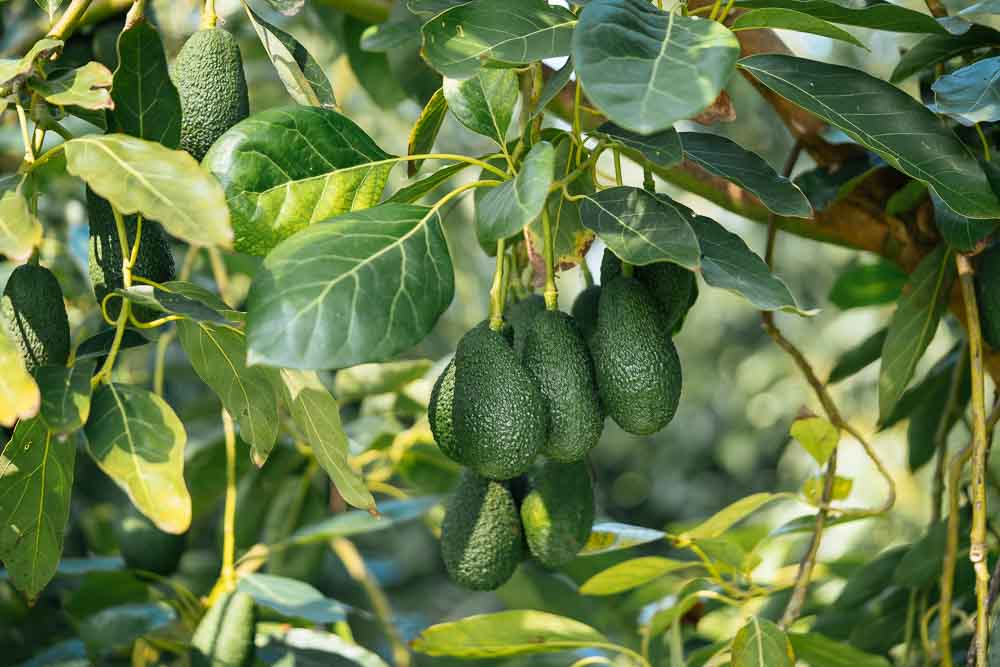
[(496, 291), (551, 292), (227, 577)]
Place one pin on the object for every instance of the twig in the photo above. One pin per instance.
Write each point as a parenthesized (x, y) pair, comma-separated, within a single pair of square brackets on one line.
[(66, 24)]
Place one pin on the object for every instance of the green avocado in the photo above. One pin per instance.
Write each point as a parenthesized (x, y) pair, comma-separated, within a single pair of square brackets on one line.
[(637, 368), (558, 513), (556, 356), (519, 316), (988, 294), (481, 538), (439, 413), (209, 77), (154, 262), (585, 310), (675, 288), (225, 635), (145, 547), (499, 416), (35, 314)]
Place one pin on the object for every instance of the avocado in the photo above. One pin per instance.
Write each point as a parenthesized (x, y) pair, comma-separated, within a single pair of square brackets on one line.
[(675, 288), (988, 294), (499, 415), (558, 513), (556, 356), (35, 315), (439, 412), (519, 316), (637, 368), (154, 262), (481, 538), (145, 547), (585, 310), (209, 77), (225, 635)]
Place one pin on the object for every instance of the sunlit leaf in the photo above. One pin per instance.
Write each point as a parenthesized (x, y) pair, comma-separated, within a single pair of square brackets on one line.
[(13, 71), (875, 14), (631, 574), (817, 436), (65, 395), (725, 518), (761, 643), (610, 536), (820, 651), (291, 598), (812, 489), (484, 102), (308, 643), (971, 94), (790, 19), (425, 130), (87, 87), (19, 396), (20, 229)]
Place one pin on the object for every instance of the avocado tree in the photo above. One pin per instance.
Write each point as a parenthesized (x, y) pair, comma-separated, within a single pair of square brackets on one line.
[(220, 423)]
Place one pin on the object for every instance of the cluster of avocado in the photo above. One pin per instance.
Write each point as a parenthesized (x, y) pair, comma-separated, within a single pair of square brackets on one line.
[(541, 386)]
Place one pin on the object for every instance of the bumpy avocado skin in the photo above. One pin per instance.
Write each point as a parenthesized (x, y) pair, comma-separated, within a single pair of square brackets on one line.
[(585, 310), (556, 356), (440, 413), (519, 316), (225, 636), (674, 287), (558, 513), (154, 262), (482, 541), (637, 367), (499, 416), (35, 315), (209, 77), (988, 294), (145, 547)]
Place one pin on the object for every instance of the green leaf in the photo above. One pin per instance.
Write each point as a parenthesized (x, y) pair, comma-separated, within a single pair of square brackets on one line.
[(36, 480), (316, 413), (961, 233), (302, 76), (863, 285), (171, 303), (674, 608), (395, 33), (874, 14), (725, 518), (817, 436), (727, 263), (416, 190), (50, 7), (869, 581), (674, 68), (906, 198), (357, 382), (138, 441), (147, 104), (20, 229), (359, 522), (285, 169), (99, 344), (504, 210), (885, 120), (913, 326), (807, 524), (115, 629), (761, 643), (641, 228), (65, 395), (859, 357), (218, 355), (925, 405), (971, 94), (371, 69), (460, 40), (429, 8), (610, 536), (553, 87), (727, 159), (87, 87), (165, 185), (936, 49), (13, 71), (291, 598), (425, 130), (362, 287), (922, 562), (506, 633), (812, 489), (818, 650), (484, 102), (790, 19), (662, 149), (631, 574), (19, 395), (304, 644)]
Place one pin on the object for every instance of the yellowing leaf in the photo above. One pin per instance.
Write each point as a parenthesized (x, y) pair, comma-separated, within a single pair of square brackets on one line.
[(817, 436)]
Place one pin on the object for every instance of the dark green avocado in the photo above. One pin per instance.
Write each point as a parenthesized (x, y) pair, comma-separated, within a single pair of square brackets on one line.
[(35, 314), (558, 513)]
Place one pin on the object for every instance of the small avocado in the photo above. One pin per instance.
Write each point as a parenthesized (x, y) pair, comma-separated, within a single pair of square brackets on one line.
[(145, 547), (556, 356), (482, 542), (988, 294), (585, 310), (558, 513), (35, 314), (637, 367), (500, 420), (675, 288), (518, 316), (440, 413), (225, 635)]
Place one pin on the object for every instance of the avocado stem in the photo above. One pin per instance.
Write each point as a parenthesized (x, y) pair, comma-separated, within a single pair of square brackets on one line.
[(208, 16), (497, 291), (551, 292)]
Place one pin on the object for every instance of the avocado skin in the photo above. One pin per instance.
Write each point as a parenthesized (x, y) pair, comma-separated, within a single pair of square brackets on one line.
[(154, 262), (440, 413), (558, 513), (209, 77), (519, 315), (225, 635), (988, 294), (637, 367), (675, 288), (585, 310), (499, 416), (482, 541), (144, 547), (556, 356), (35, 314)]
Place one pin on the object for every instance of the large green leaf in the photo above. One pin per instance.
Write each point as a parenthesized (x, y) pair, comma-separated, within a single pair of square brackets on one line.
[(935, 49), (317, 415), (291, 598), (504, 210), (287, 168), (874, 14), (761, 643), (425, 130), (484, 102), (460, 40), (971, 94), (19, 395), (961, 233), (885, 120), (87, 87), (507, 633), (725, 518), (146, 102), (36, 479), (640, 228), (817, 650), (858, 357), (913, 326), (790, 19), (139, 176), (646, 68), (65, 395), (20, 229), (631, 574), (362, 287), (662, 149), (138, 441)]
